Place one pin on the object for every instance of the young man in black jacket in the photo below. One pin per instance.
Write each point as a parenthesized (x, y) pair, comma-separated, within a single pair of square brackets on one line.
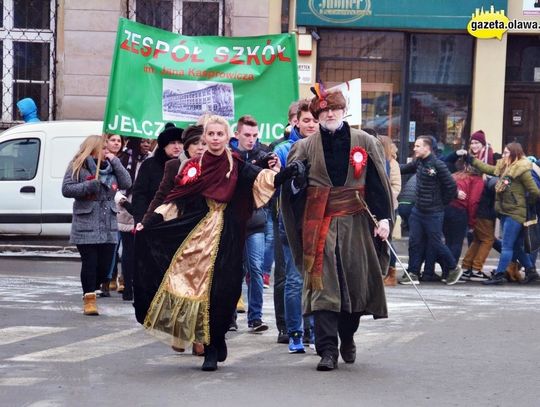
[(246, 144), (435, 188)]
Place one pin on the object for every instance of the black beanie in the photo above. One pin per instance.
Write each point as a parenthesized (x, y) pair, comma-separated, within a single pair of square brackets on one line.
[(169, 134), (191, 135)]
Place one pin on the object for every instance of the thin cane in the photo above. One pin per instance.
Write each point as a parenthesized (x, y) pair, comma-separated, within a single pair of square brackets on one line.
[(374, 219)]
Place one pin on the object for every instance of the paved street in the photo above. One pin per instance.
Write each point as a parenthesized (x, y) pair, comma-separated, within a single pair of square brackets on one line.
[(483, 350)]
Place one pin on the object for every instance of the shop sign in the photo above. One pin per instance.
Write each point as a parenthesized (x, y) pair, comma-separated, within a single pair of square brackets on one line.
[(304, 74), (433, 14)]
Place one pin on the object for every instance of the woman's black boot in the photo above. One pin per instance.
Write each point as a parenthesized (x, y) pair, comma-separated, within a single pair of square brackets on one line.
[(210, 358)]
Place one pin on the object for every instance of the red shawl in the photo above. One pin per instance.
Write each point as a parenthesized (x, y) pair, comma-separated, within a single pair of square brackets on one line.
[(212, 182)]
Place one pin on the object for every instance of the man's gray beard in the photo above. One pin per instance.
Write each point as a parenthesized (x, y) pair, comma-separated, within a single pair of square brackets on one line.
[(332, 127)]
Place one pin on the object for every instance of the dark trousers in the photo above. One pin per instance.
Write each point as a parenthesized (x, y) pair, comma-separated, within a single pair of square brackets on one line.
[(128, 260), (95, 263), (425, 232), (328, 325), (455, 229), (279, 277)]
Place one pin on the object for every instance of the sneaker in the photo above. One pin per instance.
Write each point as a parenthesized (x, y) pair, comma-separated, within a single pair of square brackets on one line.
[(478, 276), (233, 327), (496, 279), (312, 340), (466, 276), (266, 280), (430, 278), (454, 275), (295, 343), (257, 326), (413, 280), (282, 337)]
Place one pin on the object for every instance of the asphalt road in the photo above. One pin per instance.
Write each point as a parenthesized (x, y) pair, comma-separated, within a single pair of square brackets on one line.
[(483, 350)]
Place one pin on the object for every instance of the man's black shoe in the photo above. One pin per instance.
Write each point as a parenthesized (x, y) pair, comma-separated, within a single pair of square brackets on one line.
[(257, 326), (282, 337), (530, 276), (429, 278), (327, 363), (221, 347), (347, 350), (210, 358), (307, 335), (127, 295), (496, 279)]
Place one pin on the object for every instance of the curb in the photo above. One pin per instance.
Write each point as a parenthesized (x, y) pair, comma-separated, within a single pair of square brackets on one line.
[(39, 251)]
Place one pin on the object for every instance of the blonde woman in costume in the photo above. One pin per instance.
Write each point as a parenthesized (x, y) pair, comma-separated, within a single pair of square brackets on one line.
[(196, 238)]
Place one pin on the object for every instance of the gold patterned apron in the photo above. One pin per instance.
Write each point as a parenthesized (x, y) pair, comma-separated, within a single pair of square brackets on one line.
[(181, 306)]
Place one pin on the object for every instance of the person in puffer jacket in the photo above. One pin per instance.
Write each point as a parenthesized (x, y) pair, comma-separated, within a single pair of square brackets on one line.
[(28, 110), (435, 188)]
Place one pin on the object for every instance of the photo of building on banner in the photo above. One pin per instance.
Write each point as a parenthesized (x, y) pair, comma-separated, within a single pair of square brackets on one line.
[(159, 76), (188, 100)]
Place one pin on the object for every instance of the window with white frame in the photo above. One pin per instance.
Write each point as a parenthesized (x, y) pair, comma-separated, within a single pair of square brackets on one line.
[(202, 17), (28, 48)]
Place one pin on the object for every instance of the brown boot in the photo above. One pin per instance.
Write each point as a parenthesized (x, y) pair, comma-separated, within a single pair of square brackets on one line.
[(390, 278), (89, 304), (512, 272)]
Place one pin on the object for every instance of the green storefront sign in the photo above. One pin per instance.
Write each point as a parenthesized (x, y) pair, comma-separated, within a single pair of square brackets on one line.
[(158, 77), (404, 14)]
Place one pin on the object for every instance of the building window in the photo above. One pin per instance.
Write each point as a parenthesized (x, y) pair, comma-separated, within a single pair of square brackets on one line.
[(377, 59), (440, 79), (202, 17), (523, 58), (28, 52)]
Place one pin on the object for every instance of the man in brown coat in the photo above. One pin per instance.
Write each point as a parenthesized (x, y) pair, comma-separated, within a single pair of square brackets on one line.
[(334, 241)]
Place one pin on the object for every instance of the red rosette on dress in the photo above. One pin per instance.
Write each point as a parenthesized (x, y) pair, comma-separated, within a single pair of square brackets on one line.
[(190, 173), (358, 159)]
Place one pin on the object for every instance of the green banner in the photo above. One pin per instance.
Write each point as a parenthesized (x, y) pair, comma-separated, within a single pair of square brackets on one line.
[(159, 77)]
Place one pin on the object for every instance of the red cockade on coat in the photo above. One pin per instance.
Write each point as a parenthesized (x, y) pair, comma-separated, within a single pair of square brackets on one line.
[(190, 173), (358, 159)]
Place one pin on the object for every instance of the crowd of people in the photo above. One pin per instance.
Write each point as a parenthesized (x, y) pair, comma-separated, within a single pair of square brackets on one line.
[(460, 196), (201, 211)]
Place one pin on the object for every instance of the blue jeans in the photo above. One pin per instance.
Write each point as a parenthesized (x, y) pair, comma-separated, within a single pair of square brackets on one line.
[(294, 281), (268, 243), (253, 262), (425, 228), (512, 245)]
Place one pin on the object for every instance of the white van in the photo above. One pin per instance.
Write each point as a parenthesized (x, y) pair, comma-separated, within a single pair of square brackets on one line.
[(33, 160)]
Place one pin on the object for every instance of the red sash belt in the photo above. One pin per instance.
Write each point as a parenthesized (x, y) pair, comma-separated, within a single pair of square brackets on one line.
[(323, 204)]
